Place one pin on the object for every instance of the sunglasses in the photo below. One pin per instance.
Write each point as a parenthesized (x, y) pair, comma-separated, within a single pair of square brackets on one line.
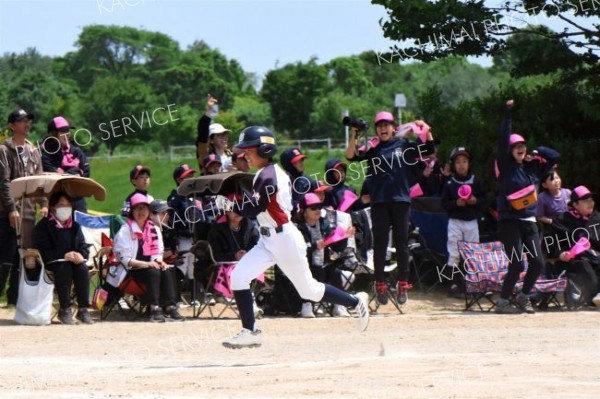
[(315, 207)]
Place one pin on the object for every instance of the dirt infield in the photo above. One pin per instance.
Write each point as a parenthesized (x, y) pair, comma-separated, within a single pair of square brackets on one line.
[(432, 351)]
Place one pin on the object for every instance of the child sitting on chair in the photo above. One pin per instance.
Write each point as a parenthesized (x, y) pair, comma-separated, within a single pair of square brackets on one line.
[(316, 224)]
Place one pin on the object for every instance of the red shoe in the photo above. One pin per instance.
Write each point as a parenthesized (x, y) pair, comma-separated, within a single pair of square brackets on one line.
[(381, 291), (403, 287)]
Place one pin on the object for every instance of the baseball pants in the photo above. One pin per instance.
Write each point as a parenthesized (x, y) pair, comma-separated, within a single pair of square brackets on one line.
[(287, 250)]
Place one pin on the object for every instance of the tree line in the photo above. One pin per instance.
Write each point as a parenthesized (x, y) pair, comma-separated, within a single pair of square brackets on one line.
[(117, 76)]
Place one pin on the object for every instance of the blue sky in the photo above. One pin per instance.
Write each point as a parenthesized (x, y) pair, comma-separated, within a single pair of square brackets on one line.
[(257, 33)]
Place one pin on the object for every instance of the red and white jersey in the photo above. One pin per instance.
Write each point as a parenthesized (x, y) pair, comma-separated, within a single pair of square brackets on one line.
[(271, 198)]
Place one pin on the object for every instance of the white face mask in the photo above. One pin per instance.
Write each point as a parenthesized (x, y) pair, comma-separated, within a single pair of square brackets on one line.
[(62, 214)]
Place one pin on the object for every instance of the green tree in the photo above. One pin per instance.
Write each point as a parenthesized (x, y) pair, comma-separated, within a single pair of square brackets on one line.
[(475, 28), (292, 91)]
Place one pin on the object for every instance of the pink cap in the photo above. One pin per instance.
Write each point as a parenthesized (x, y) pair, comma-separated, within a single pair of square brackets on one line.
[(138, 198), (582, 191), (310, 199), (60, 122), (384, 116), (416, 191), (465, 191), (516, 138), (338, 234)]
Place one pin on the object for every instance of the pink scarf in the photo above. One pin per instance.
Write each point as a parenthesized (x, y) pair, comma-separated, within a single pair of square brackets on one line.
[(149, 237), (69, 160), (67, 224), (578, 215)]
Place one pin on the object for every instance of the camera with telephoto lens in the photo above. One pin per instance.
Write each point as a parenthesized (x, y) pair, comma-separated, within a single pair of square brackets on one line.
[(358, 123)]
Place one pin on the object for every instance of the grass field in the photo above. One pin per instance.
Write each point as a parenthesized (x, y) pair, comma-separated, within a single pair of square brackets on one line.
[(114, 176)]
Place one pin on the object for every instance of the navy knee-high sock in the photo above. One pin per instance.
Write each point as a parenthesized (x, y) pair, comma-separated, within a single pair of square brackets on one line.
[(339, 297), (245, 305)]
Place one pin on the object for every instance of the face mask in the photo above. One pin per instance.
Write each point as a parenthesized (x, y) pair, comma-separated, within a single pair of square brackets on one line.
[(63, 214)]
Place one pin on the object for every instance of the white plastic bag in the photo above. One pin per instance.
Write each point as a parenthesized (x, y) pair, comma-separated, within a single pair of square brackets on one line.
[(34, 304), (116, 274)]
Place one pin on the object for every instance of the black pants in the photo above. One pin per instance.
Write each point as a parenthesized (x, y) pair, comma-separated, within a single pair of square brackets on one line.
[(160, 284), (67, 273), (520, 238), (396, 215), (329, 274), (9, 260)]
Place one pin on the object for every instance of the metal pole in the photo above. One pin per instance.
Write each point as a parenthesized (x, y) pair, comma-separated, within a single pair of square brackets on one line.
[(346, 129)]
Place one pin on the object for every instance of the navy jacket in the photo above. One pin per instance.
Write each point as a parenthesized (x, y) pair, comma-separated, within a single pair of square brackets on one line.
[(514, 176), (54, 243), (450, 196), (389, 168), (225, 242)]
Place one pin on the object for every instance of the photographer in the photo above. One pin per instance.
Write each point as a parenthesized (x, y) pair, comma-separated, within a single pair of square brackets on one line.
[(390, 160)]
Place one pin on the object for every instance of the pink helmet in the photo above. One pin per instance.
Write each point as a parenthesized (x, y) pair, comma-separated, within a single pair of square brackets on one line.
[(516, 138), (384, 116)]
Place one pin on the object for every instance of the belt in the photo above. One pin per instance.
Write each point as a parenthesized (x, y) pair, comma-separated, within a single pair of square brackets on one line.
[(266, 231)]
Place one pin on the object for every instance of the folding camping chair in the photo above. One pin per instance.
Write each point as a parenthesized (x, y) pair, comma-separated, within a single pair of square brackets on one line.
[(129, 297), (214, 278), (430, 222), (486, 264)]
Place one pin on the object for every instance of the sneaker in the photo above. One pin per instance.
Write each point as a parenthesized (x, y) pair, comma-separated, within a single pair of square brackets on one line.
[(403, 287), (123, 304), (157, 316), (173, 314), (525, 303), (244, 339), (307, 311), (340, 311), (83, 315), (65, 316), (362, 311), (381, 291), (596, 300), (503, 306)]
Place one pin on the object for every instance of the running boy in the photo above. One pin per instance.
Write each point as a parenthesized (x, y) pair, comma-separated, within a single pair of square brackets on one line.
[(280, 242)]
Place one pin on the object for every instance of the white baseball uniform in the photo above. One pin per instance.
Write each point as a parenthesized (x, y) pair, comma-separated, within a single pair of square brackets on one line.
[(280, 242)]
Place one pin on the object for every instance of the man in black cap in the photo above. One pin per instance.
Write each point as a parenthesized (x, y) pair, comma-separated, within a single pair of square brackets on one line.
[(19, 158)]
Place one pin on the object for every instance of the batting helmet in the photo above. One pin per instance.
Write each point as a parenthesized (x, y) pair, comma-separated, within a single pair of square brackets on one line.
[(258, 136)]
